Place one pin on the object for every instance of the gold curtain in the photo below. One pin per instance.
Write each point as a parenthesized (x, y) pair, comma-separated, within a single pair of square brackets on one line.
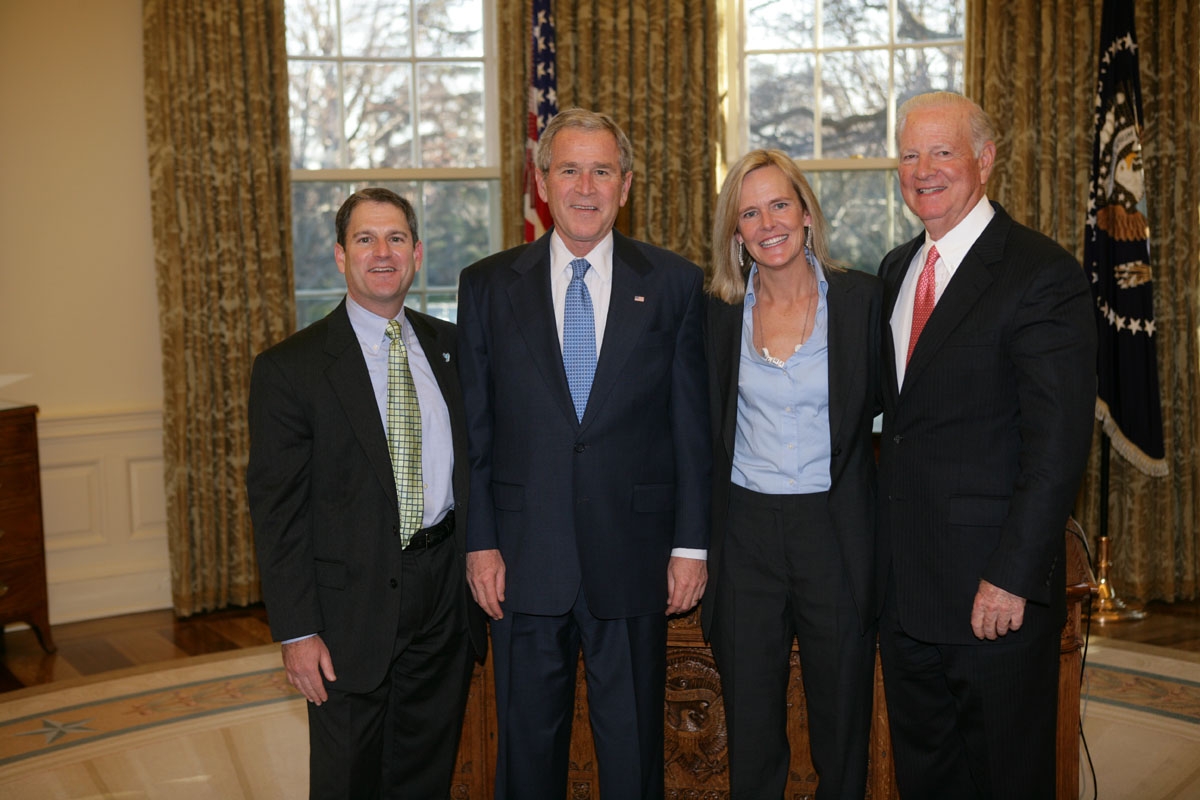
[(651, 65), (1032, 64), (217, 128)]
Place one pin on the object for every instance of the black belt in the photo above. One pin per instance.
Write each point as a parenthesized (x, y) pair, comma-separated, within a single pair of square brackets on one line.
[(434, 534)]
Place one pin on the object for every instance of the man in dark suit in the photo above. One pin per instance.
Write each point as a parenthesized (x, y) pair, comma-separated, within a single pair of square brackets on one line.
[(988, 388), (588, 522), (361, 559)]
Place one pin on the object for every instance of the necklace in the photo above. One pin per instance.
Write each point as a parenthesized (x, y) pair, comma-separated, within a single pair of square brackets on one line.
[(804, 332)]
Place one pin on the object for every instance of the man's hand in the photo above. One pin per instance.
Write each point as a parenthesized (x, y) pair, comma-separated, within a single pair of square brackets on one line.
[(686, 578), (485, 576), (996, 612), (305, 662)]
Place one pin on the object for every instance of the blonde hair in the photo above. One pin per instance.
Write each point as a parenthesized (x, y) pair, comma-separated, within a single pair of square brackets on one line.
[(728, 279)]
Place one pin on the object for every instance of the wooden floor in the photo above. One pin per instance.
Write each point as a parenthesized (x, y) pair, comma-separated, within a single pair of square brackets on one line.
[(96, 646)]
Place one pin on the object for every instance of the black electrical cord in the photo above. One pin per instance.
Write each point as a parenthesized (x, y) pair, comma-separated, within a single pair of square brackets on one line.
[(1087, 636)]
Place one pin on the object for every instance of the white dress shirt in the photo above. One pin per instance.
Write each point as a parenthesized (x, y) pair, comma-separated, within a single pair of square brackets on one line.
[(952, 249)]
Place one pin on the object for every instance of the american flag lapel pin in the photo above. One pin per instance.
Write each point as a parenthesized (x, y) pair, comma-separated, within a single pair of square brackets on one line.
[(637, 298)]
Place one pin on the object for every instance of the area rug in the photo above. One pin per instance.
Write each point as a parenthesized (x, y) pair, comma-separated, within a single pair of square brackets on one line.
[(225, 726), (1141, 721), (229, 727)]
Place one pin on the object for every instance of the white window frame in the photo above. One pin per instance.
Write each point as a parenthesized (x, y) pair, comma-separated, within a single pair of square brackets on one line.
[(419, 293)]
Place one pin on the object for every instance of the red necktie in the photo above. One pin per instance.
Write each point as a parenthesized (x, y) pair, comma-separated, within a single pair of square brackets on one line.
[(923, 304)]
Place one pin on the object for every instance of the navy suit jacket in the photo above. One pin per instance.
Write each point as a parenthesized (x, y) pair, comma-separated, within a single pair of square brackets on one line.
[(984, 445), (323, 499), (853, 302), (602, 502)]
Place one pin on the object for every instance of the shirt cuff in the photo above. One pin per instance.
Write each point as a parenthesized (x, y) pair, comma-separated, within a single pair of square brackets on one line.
[(298, 639), (689, 552)]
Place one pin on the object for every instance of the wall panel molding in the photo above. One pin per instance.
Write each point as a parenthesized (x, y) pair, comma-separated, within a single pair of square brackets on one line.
[(105, 514)]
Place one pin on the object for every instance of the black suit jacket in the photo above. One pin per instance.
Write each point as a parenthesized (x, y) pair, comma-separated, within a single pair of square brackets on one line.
[(323, 498), (984, 445), (853, 300), (599, 503)]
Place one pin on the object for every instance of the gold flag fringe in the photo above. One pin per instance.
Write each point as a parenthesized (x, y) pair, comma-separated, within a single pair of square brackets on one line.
[(1155, 467)]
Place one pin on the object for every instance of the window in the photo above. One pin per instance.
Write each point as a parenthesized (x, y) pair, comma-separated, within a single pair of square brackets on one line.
[(393, 93), (821, 80)]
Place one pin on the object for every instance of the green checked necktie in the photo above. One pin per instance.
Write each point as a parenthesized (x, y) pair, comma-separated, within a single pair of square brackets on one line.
[(404, 435)]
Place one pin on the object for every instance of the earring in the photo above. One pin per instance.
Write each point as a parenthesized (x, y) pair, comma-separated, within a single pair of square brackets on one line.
[(741, 255), (808, 238)]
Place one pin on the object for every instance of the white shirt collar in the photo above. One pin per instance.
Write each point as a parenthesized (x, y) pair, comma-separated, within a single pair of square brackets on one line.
[(954, 245), (600, 256)]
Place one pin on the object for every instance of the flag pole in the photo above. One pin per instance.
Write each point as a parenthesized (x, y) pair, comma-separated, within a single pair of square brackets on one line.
[(1107, 607)]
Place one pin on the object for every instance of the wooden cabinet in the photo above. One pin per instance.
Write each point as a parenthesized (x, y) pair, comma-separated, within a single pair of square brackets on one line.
[(22, 548), (696, 764)]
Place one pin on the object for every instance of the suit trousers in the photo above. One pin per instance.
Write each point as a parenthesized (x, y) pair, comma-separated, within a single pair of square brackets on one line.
[(974, 721), (401, 739), (536, 659), (782, 578)]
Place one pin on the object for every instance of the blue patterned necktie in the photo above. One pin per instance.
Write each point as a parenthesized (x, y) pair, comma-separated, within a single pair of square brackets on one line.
[(579, 338), (404, 435)]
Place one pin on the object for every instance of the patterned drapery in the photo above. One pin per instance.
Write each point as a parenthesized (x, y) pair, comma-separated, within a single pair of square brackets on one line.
[(1032, 64), (651, 65), (217, 130)]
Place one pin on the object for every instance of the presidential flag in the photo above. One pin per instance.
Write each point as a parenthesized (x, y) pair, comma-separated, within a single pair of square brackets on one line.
[(1117, 253), (542, 105)]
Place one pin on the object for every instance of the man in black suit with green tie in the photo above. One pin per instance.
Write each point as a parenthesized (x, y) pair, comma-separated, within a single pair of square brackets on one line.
[(357, 484)]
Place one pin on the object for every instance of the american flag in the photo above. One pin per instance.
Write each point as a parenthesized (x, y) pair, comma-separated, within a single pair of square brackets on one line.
[(543, 104), (1117, 252)]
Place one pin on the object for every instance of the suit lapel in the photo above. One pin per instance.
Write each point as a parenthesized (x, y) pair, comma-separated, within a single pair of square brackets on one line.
[(533, 312), (844, 317), (893, 276), (970, 281), (726, 324), (440, 352), (347, 373), (629, 308)]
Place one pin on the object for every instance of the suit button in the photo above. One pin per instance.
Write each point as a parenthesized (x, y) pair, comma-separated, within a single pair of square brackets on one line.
[(837, 451), (579, 448), (897, 438), (392, 582), (395, 531)]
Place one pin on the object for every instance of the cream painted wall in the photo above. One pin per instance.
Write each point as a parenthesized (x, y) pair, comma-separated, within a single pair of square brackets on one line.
[(78, 303)]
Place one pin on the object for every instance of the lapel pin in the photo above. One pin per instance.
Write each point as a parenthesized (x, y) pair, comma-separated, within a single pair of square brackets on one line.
[(637, 298), (446, 357)]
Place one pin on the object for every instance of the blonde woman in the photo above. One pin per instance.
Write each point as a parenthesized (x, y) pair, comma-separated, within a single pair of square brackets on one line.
[(793, 349)]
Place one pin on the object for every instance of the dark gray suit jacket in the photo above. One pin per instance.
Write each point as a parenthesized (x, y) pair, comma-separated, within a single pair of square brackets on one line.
[(602, 502), (984, 445), (854, 301), (323, 498)]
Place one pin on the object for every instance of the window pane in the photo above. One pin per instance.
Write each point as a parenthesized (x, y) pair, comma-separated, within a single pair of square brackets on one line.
[(781, 103), (780, 24), (854, 100), (928, 69), (313, 94), (319, 285), (443, 305), (450, 28), (311, 27), (457, 229), (853, 22), (924, 20), (378, 115), (858, 205), (451, 119), (375, 28)]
